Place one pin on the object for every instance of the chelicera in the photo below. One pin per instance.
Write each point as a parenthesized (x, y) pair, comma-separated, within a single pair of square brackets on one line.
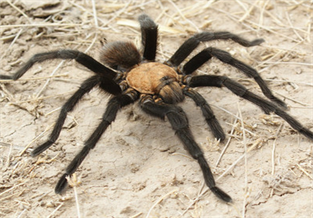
[(131, 75)]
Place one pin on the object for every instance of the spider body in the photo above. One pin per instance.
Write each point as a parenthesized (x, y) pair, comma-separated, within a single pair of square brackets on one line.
[(145, 77), (156, 79), (150, 78), (130, 76)]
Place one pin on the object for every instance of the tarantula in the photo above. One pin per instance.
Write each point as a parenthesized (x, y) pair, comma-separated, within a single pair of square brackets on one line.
[(131, 75)]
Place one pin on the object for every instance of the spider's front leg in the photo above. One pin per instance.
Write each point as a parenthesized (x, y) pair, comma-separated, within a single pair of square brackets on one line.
[(207, 112), (240, 90), (190, 44), (206, 54), (109, 116), (179, 122)]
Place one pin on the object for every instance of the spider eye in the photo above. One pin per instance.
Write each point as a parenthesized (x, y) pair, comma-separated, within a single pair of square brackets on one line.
[(172, 93)]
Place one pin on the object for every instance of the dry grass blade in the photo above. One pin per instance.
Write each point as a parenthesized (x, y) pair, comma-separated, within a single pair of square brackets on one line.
[(160, 200), (134, 24), (244, 142), (227, 143)]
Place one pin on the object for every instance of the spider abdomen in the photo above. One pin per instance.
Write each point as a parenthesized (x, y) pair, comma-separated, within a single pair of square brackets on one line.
[(156, 78)]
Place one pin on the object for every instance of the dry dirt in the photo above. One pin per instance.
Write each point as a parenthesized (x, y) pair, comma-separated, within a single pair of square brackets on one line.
[(139, 168)]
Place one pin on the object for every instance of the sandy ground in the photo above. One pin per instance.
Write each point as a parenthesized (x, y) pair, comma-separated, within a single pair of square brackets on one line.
[(139, 168)]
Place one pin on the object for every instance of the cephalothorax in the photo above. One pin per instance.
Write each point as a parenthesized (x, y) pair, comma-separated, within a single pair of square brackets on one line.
[(156, 78), (130, 75)]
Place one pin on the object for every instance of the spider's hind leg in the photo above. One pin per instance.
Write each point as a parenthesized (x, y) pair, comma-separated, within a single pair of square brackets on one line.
[(149, 37), (64, 54), (109, 116), (86, 86)]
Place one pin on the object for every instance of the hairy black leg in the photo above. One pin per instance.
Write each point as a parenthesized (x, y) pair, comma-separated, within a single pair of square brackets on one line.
[(207, 113), (190, 44), (80, 57), (240, 90), (85, 87), (149, 34), (179, 122), (108, 117), (225, 57)]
